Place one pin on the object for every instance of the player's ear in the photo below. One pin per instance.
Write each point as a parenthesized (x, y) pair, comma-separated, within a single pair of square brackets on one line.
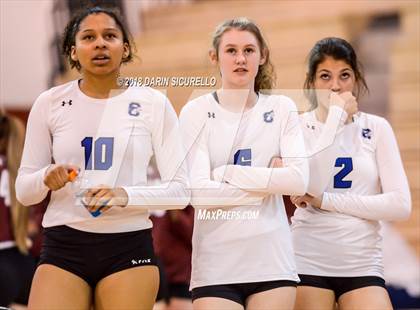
[(311, 84), (73, 54), (126, 51), (264, 54), (213, 56)]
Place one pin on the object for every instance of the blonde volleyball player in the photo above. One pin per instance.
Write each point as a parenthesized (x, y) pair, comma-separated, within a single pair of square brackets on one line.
[(99, 253), (336, 227), (239, 260)]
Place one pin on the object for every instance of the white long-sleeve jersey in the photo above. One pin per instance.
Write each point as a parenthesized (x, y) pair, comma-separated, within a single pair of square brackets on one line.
[(367, 183), (112, 141), (228, 156)]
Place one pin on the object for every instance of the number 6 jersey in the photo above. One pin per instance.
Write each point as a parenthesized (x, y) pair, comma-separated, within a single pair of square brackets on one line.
[(366, 183), (228, 157)]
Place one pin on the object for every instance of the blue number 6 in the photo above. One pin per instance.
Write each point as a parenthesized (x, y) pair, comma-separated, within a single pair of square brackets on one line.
[(347, 164), (242, 157)]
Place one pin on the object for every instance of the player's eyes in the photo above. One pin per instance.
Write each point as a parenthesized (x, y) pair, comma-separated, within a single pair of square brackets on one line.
[(249, 50), (324, 76), (345, 75), (231, 50), (87, 37), (110, 36)]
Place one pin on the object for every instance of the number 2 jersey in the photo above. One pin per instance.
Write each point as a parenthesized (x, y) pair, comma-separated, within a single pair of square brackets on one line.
[(228, 156), (112, 141), (366, 183)]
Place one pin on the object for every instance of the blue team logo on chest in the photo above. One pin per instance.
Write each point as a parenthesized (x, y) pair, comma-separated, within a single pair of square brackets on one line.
[(268, 116), (366, 133), (134, 109)]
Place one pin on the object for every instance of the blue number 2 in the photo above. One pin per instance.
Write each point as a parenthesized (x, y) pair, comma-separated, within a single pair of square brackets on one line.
[(104, 151), (347, 164), (242, 157)]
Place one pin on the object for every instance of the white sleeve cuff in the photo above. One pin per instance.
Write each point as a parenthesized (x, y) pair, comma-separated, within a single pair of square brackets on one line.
[(129, 193), (327, 203)]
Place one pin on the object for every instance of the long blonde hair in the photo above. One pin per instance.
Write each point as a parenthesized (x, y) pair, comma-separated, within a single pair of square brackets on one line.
[(266, 77), (19, 213)]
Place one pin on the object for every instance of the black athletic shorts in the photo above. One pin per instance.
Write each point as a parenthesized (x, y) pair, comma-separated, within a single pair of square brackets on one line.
[(93, 256), (340, 285), (179, 290), (238, 292)]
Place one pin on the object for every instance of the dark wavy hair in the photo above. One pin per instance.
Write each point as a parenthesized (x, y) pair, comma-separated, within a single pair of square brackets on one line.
[(339, 49)]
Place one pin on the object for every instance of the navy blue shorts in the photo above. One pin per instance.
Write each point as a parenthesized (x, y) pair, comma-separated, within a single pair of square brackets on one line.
[(238, 292), (93, 256), (340, 285)]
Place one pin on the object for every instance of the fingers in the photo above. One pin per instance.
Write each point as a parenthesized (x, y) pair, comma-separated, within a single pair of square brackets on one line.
[(276, 162), (90, 194), (351, 107), (347, 95), (100, 199), (299, 201), (57, 176), (293, 199), (336, 99), (350, 103), (345, 100), (341, 99), (120, 197), (97, 197)]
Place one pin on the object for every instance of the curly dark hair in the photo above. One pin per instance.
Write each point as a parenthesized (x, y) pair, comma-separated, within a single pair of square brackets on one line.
[(339, 49), (72, 28)]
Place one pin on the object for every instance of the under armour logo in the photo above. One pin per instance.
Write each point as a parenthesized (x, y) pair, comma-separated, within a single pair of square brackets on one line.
[(366, 133), (63, 103), (211, 114)]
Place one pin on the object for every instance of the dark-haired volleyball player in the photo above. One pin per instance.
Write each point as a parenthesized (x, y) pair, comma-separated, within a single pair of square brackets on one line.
[(336, 229), (109, 133)]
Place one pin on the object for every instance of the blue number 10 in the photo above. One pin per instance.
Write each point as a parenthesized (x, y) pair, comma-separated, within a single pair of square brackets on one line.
[(104, 150)]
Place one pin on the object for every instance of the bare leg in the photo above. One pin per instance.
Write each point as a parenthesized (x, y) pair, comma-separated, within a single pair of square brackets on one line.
[(56, 288), (133, 288), (180, 304), (309, 297), (215, 303), (370, 297), (281, 298)]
